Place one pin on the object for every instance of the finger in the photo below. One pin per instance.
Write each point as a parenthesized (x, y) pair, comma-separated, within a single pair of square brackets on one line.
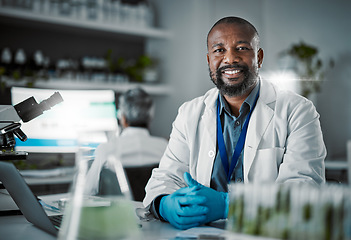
[(191, 200), (193, 211), (189, 180), (186, 190), (195, 191), (185, 226), (197, 220)]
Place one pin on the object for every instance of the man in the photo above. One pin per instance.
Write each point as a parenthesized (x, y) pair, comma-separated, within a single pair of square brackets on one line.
[(135, 113), (136, 147), (245, 130)]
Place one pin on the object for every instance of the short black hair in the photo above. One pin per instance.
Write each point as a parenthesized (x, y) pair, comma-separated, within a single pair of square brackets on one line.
[(231, 20)]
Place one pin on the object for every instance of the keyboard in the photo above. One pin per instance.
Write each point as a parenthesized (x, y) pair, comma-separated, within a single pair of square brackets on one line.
[(56, 220)]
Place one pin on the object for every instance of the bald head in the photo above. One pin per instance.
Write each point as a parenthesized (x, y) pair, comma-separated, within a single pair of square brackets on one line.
[(235, 20)]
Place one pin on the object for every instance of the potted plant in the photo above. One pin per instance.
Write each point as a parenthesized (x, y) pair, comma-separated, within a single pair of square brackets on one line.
[(308, 66), (141, 69)]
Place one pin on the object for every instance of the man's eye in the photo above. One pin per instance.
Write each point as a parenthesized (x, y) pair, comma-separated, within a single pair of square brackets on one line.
[(242, 48), (218, 50)]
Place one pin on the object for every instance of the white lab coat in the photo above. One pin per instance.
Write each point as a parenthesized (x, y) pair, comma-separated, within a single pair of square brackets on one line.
[(284, 143), (139, 148), (135, 147)]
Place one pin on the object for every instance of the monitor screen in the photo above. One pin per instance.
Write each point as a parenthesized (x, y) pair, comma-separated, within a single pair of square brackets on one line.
[(57, 129)]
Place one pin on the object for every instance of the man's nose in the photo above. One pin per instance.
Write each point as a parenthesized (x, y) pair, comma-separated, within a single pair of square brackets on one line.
[(231, 57)]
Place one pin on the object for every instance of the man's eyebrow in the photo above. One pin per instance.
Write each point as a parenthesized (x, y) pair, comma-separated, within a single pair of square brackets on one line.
[(243, 41), (217, 45), (239, 42)]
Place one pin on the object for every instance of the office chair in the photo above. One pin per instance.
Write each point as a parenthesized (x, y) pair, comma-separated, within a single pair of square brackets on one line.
[(348, 153), (137, 177)]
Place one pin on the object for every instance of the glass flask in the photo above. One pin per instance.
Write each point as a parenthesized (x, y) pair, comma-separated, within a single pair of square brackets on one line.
[(100, 204)]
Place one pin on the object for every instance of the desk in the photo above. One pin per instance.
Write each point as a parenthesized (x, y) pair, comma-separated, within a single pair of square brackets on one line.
[(338, 164), (43, 182), (58, 180), (337, 170), (51, 176), (17, 227)]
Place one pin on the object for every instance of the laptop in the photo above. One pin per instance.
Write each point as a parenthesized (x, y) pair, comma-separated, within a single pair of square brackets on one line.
[(26, 201)]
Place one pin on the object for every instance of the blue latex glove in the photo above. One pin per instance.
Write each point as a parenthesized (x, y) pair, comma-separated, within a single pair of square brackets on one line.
[(216, 202), (183, 211)]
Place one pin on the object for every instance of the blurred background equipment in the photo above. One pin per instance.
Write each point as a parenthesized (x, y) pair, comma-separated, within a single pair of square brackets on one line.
[(10, 117), (290, 211), (57, 131)]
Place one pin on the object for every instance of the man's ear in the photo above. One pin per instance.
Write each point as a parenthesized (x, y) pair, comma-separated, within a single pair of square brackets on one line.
[(208, 59), (260, 57)]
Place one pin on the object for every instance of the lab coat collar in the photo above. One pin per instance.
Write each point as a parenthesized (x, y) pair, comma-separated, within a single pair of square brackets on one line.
[(135, 131)]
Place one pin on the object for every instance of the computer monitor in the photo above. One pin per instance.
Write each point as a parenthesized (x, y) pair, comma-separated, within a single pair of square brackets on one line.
[(56, 130)]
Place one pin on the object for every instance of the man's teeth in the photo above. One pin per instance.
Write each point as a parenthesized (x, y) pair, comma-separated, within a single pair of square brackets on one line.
[(231, 71)]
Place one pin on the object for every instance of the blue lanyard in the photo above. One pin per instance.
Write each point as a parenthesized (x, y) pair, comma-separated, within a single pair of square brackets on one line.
[(240, 144)]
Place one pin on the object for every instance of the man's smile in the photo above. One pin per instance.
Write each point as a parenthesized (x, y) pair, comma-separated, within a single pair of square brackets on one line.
[(231, 73)]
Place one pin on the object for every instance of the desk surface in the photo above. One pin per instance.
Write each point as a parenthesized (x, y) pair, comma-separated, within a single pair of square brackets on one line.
[(338, 164), (17, 227)]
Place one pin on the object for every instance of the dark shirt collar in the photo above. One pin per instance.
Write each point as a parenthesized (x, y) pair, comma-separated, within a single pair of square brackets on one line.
[(245, 107)]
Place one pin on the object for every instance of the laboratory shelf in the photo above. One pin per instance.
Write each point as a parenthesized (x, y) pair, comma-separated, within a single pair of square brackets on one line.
[(151, 88), (136, 31)]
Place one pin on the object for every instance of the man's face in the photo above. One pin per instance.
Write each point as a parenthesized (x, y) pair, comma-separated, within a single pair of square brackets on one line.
[(233, 58)]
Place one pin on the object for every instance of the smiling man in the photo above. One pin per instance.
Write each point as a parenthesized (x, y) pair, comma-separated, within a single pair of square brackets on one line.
[(244, 130), (234, 57)]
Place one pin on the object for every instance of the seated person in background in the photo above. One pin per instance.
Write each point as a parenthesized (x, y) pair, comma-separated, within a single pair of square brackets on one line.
[(136, 147), (135, 112), (209, 147)]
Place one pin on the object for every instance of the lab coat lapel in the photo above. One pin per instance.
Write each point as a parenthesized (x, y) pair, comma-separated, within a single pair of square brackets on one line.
[(207, 156), (260, 120)]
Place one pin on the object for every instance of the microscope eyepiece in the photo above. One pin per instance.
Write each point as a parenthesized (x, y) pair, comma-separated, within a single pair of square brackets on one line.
[(56, 98), (30, 109)]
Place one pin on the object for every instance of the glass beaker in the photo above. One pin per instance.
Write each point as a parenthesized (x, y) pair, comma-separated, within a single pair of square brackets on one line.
[(100, 205)]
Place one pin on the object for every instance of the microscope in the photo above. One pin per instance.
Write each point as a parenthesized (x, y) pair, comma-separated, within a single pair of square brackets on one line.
[(10, 118)]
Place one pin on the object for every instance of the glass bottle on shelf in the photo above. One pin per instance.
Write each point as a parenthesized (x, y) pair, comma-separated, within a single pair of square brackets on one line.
[(19, 64), (6, 59)]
